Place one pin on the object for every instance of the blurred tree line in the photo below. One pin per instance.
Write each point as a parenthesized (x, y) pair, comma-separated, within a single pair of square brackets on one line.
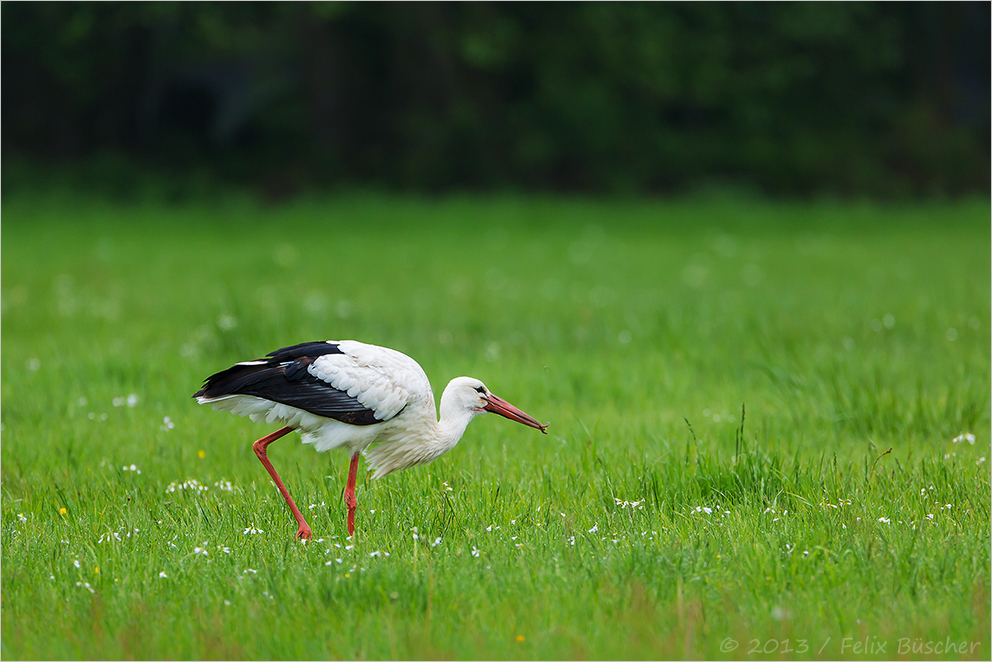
[(845, 98)]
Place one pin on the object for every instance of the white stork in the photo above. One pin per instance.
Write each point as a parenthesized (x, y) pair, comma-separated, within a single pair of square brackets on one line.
[(347, 393)]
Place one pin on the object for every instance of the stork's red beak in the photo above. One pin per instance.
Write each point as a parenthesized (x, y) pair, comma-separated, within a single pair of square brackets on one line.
[(498, 405)]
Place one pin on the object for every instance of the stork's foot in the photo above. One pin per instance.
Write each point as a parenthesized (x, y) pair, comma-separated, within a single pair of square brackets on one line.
[(304, 533)]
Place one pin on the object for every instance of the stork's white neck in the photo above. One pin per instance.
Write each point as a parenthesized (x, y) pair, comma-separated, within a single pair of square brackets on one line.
[(427, 438), (454, 418)]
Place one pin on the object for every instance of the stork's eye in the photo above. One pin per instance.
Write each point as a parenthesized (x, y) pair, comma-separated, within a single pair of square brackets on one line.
[(481, 389)]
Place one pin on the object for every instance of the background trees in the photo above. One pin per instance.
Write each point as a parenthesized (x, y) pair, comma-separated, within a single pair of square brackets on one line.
[(884, 99)]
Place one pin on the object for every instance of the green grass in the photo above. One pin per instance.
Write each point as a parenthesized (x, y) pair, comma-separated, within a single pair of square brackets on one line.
[(639, 329)]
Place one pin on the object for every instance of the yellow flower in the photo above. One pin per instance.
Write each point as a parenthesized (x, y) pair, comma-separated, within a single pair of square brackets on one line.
[(521, 637), (347, 575), (202, 454), (96, 571), (62, 511)]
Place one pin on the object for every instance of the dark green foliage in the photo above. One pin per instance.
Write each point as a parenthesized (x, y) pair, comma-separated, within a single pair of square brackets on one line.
[(843, 98)]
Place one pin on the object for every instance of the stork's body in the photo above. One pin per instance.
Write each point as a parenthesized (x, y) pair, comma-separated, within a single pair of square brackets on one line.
[(350, 394)]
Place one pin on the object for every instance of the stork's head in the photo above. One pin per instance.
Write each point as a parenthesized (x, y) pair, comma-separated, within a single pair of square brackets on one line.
[(471, 395)]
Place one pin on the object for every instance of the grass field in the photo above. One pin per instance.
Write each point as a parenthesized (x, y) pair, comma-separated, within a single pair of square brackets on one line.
[(724, 379)]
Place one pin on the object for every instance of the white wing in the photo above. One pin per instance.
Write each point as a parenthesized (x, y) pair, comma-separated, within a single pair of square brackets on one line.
[(382, 379)]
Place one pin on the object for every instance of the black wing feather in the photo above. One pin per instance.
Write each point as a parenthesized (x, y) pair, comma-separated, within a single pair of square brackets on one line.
[(284, 378), (304, 349)]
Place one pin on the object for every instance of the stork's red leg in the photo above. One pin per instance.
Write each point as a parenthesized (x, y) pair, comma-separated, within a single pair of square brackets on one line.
[(349, 494), (260, 446)]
